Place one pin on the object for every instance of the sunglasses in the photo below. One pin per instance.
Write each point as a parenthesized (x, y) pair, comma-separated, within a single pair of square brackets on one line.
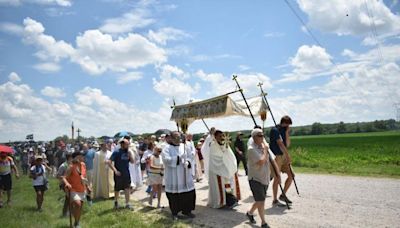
[(260, 135)]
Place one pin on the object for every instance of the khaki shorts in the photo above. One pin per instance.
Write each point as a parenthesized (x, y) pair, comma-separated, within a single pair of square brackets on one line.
[(283, 165), (78, 196)]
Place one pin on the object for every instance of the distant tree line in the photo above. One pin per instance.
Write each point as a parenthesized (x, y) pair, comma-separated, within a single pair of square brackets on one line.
[(335, 128), (341, 127), (314, 129)]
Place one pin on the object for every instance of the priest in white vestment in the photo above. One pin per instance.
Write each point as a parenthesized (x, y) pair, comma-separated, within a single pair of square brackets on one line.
[(179, 185), (134, 168), (103, 183), (224, 189)]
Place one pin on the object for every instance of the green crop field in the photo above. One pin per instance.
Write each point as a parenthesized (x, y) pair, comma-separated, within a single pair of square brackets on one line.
[(365, 154), (22, 212)]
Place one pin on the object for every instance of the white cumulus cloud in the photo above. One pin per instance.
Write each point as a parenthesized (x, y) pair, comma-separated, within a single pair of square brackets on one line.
[(131, 76), (95, 52), (98, 52), (137, 18), (344, 17), (13, 77), (221, 84), (53, 92), (165, 34), (308, 62), (47, 67)]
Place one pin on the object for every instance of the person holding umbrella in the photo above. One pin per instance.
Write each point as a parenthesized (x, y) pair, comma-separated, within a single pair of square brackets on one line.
[(6, 166)]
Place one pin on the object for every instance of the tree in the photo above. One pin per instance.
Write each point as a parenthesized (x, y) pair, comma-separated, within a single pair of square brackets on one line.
[(358, 129), (316, 128), (63, 138), (391, 124), (380, 124), (341, 128)]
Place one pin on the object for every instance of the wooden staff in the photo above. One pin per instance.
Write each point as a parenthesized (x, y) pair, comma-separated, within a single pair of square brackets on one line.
[(266, 101), (234, 77)]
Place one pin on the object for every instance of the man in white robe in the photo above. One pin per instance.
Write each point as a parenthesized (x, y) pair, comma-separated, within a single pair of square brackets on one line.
[(179, 185), (103, 184), (134, 168), (224, 189)]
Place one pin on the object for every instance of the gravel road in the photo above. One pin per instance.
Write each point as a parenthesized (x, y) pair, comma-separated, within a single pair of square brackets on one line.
[(325, 201)]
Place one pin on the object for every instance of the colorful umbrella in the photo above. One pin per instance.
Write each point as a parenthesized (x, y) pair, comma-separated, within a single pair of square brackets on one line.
[(123, 133), (6, 149)]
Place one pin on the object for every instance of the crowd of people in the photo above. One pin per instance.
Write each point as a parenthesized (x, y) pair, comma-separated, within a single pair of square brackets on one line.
[(171, 163)]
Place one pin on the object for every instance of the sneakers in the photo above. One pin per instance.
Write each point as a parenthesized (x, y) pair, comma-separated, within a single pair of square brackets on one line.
[(278, 203), (265, 225), (175, 217), (282, 198), (77, 225), (251, 218)]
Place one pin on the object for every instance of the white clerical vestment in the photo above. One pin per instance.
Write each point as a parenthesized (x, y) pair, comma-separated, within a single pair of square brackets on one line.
[(134, 169), (103, 184), (222, 174), (177, 174)]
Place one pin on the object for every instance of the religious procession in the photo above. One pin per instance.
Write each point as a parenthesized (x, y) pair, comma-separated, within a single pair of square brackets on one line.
[(166, 166)]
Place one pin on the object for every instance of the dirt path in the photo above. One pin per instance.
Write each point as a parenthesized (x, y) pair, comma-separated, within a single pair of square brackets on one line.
[(326, 201)]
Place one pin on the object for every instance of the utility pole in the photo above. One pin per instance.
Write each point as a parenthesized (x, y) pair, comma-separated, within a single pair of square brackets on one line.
[(79, 131), (397, 108)]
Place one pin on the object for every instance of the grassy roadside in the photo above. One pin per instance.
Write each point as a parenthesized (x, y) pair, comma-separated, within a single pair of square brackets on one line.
[(22, 212), (365, 154)]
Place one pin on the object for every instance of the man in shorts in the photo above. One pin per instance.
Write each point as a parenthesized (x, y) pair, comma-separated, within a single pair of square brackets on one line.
[(119, 163), (279, 142), (6, 166), (259, 174)]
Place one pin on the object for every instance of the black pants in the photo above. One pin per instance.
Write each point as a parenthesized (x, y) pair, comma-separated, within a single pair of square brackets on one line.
[(184, 202), (243, 159)]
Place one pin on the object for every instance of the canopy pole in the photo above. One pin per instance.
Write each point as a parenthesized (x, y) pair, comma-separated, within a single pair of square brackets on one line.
[(204, 122), (234, 77), (264, 95)]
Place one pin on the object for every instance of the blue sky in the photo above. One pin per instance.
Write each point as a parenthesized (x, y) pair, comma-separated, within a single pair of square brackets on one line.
[(115, 65)]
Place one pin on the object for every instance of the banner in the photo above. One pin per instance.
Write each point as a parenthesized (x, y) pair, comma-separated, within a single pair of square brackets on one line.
[(220, 106), (29, 137)]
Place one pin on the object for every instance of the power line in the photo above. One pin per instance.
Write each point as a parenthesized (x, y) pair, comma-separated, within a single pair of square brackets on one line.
[(334, 63), (375, 35)]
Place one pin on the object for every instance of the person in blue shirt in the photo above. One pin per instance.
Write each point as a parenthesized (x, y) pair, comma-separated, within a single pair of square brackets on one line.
[(119, 163), (279, 140), (89, 157)]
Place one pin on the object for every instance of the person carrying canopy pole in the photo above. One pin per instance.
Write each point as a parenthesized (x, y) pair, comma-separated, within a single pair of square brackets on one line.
[(279, 141), (224, 189), (259, 163)]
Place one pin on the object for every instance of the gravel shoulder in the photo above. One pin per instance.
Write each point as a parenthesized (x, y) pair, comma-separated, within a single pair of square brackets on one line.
[(325, 201)]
